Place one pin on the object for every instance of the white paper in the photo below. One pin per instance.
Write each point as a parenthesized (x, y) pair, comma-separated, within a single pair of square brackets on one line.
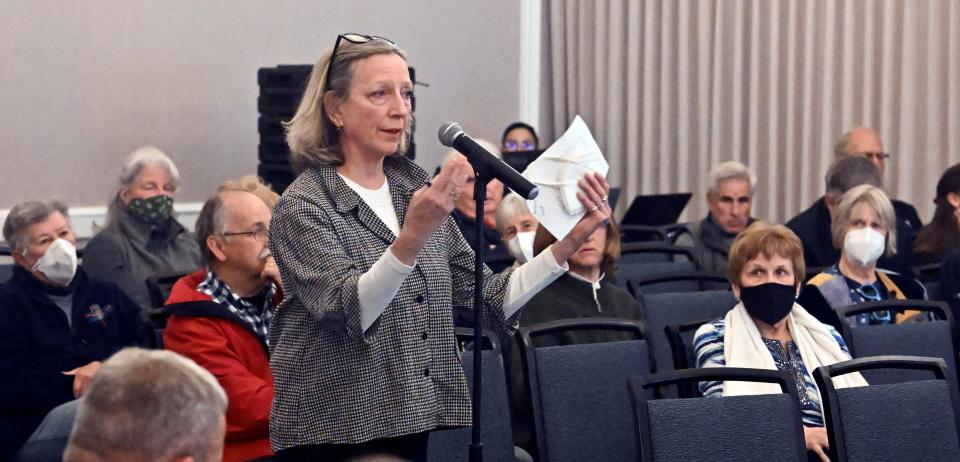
[(557, 171)]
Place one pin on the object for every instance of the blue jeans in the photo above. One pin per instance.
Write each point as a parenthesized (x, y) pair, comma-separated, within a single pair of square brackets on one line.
[(49, 441)]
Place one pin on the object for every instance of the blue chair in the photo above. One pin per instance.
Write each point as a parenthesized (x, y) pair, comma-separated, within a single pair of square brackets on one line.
[(496, 434), (665, 281), (924, 338), (915, 420), (691, 309), (738, 428), (654, 252), (580, 406)]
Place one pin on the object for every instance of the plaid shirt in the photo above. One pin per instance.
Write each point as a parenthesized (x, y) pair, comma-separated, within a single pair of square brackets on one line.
[(334, 382), (258, 319)]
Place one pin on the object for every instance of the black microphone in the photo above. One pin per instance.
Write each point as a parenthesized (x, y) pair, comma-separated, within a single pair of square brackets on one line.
[(452, 135)]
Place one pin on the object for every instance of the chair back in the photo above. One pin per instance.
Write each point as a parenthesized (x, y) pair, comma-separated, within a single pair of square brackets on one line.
[(675, 309), (741, 428), (676, 281), (654, 252), (916, 420), (923, 338), (496, 433), (580, 405), (627, 272)]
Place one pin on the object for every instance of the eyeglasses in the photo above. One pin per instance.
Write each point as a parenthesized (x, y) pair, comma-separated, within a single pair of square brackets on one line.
[(352, 38), (875, 156), (511, 145), (870, 293), (259, 235)]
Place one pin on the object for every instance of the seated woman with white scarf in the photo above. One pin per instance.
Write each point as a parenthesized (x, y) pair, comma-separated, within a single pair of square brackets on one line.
[(769, 330)]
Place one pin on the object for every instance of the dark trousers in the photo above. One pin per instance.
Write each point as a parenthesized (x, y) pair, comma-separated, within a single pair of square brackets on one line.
[(407, 448)]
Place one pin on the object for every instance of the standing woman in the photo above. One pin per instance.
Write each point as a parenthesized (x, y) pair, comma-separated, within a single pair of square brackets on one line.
[(362, 347), (142, 237)]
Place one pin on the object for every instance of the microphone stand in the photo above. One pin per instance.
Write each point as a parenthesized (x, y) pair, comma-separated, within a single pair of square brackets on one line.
[(480, 195)]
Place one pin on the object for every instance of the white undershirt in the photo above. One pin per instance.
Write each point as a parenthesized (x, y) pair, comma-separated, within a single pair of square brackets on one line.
[(380, 201), (380, 283)]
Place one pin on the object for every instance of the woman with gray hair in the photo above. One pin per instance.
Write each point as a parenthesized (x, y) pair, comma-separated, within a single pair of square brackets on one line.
[(864, 228), (517, 226), (363, 352), (142, 238)]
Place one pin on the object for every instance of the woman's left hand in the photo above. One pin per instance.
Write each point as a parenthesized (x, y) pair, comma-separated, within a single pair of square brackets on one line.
[(593, 194)]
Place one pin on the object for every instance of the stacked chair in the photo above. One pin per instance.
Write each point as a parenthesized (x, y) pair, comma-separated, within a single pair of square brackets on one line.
[(281, 88)]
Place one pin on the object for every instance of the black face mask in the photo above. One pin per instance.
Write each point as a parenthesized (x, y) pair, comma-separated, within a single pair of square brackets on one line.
[(768, 302)]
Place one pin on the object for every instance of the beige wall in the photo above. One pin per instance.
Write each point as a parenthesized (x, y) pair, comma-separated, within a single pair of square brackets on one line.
[(82, 83)]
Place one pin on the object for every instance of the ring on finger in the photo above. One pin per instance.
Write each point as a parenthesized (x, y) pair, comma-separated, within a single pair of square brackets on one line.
[(604, 198), (594, 208)]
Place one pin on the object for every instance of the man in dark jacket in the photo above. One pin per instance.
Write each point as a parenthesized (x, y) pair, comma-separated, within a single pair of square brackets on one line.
[(221, 313), (812, 226), (866, 142), (56, 323), (729, 198)]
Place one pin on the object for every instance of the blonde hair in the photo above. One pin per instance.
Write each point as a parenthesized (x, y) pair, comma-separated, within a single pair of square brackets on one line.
[(876, 199), (770, 240), (312, 137), (252, 184)]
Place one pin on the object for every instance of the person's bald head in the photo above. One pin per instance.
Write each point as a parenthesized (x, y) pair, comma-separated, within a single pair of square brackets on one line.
[(231, 217), (862, 141)]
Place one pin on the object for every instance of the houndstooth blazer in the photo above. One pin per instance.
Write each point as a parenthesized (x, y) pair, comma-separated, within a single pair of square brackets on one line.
[(333, 382)]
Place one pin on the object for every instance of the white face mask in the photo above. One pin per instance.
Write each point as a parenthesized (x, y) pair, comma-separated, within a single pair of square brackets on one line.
[(59, 262), (521, 246), (864, 246)]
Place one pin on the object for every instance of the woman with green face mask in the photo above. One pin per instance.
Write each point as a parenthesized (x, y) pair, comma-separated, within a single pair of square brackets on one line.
[(142, 238)]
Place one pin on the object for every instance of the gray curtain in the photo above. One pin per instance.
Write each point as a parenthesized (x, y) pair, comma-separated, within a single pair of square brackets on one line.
[(671, 88)]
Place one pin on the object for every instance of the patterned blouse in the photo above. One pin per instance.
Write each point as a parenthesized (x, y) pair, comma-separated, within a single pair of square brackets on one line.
[(708, 345)]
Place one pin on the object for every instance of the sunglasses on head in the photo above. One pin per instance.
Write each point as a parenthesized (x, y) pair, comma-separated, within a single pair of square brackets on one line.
[(352, 38)]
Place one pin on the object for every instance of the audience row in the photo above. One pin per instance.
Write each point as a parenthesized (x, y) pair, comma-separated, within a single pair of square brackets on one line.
[(62, 319)]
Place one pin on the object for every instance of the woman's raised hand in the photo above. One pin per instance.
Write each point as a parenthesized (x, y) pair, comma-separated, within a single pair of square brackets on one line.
[(593, 194), (429, 206)]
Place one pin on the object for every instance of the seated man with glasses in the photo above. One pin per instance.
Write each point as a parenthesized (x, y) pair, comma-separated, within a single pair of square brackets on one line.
[(220, 315), (862, 230), (866, 142), (813, 226)]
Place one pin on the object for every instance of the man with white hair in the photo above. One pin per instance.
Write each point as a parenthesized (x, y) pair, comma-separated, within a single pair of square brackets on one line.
[(151, 406), (729, 199), (866, 142), (58, 323)]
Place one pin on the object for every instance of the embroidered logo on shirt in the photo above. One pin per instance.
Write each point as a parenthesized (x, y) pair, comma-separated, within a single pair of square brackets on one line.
[(98, 314)]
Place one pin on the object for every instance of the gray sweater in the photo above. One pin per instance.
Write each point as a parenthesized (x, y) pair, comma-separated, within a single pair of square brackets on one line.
[(128, 251)]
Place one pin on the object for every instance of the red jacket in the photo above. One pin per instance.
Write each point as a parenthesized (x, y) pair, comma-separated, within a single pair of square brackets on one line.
[(218, 341)]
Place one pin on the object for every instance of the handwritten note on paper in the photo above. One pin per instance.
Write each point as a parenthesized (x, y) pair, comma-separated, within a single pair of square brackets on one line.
[(556, 173)]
